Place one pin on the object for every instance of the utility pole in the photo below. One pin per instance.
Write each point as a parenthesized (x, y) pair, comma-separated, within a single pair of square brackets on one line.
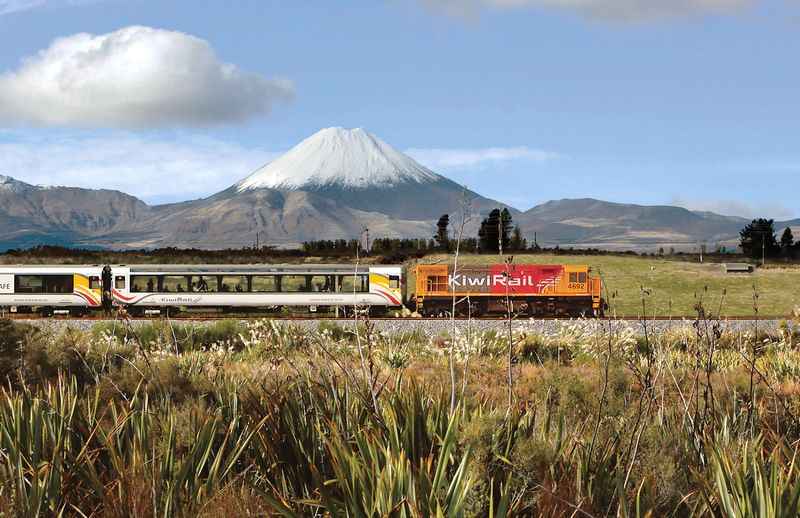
[(500, 234)]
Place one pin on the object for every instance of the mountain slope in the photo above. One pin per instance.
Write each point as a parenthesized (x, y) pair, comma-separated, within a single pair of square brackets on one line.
[(32, 214)]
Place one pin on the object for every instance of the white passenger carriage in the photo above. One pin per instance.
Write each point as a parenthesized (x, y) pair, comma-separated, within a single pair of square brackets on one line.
[(50, 289), (316, 287)]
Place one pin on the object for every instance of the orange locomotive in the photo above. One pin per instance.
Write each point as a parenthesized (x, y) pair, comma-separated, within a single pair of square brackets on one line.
[(534, 289)]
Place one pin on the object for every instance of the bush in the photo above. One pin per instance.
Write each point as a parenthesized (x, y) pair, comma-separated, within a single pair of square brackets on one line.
[(12, 336)]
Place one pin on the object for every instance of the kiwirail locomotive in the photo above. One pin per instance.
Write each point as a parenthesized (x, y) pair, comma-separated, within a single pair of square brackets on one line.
[(527, 289), (535, 290)]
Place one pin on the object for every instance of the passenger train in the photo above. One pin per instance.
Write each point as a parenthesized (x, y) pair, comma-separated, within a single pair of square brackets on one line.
[(533, 290)]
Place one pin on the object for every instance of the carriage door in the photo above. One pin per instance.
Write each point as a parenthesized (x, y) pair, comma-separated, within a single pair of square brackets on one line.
[(107, 281)]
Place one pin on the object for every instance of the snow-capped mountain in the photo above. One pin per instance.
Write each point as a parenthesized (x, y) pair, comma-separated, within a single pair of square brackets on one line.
[(352, 159), (357, 170), (332, 185)]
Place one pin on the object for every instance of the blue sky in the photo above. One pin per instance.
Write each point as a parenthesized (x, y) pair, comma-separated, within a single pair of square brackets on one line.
[(690, 102)]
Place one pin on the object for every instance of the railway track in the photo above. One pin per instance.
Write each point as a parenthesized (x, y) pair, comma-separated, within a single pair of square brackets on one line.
[(214, 317)]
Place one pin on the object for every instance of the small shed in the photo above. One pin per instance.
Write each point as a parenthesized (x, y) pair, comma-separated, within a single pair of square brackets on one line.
[(738, 268)]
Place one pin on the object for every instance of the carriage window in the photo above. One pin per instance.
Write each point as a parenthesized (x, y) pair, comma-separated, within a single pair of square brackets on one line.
[(394, 281), (174, 283), (235, 283), (322, 283), (437, 283), (204, 283), (28, 284), (294, 283), (144, 283), (264, 283), (119, 282), (58, 283), (349, 282)]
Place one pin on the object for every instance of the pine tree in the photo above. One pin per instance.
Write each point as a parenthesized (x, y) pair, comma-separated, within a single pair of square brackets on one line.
[(442, 237), (787, 239), (517, 241), (489, 232), (758, 238), (506, 227)]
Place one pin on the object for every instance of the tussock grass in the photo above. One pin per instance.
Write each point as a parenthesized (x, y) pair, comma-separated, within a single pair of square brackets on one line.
[(104, 423)]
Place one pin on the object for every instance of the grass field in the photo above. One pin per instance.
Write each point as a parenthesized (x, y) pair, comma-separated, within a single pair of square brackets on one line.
[(266, 419), (673, 287)]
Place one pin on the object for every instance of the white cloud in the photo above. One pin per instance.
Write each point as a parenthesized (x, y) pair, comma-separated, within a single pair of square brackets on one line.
[(154, 168), (134, 77), (438, 158), (618, 10)]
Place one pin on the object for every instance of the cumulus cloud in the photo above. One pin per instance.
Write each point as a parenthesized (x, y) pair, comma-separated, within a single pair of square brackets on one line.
[(438, 158), (618, 10), (156, 168), (132, 78)]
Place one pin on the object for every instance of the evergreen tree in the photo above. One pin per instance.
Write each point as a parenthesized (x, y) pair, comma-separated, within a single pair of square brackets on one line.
[(489, 232), (787, 239), (758, 238), (442, 237), (506, 228), (517, 241)]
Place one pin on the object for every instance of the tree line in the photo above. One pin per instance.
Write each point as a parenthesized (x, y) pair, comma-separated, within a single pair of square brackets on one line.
[(758, 240)]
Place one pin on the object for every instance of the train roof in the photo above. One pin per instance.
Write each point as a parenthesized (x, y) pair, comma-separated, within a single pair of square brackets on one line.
[(250, 268), (321, 269)]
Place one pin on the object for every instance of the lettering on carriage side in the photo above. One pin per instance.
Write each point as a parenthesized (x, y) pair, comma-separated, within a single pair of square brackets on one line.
[(498, 279), (6, 284), (180, 300)]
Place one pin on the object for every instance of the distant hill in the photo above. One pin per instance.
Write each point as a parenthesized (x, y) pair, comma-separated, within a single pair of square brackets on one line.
[(589, 222), (330, 186)]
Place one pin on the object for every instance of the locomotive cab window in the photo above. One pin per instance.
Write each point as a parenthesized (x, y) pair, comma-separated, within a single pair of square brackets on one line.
[(437, 283), (582, 277), (94, 283), (394, 281)]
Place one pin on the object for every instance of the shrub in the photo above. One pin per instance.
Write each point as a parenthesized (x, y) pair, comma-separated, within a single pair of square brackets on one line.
[(12, 336)]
